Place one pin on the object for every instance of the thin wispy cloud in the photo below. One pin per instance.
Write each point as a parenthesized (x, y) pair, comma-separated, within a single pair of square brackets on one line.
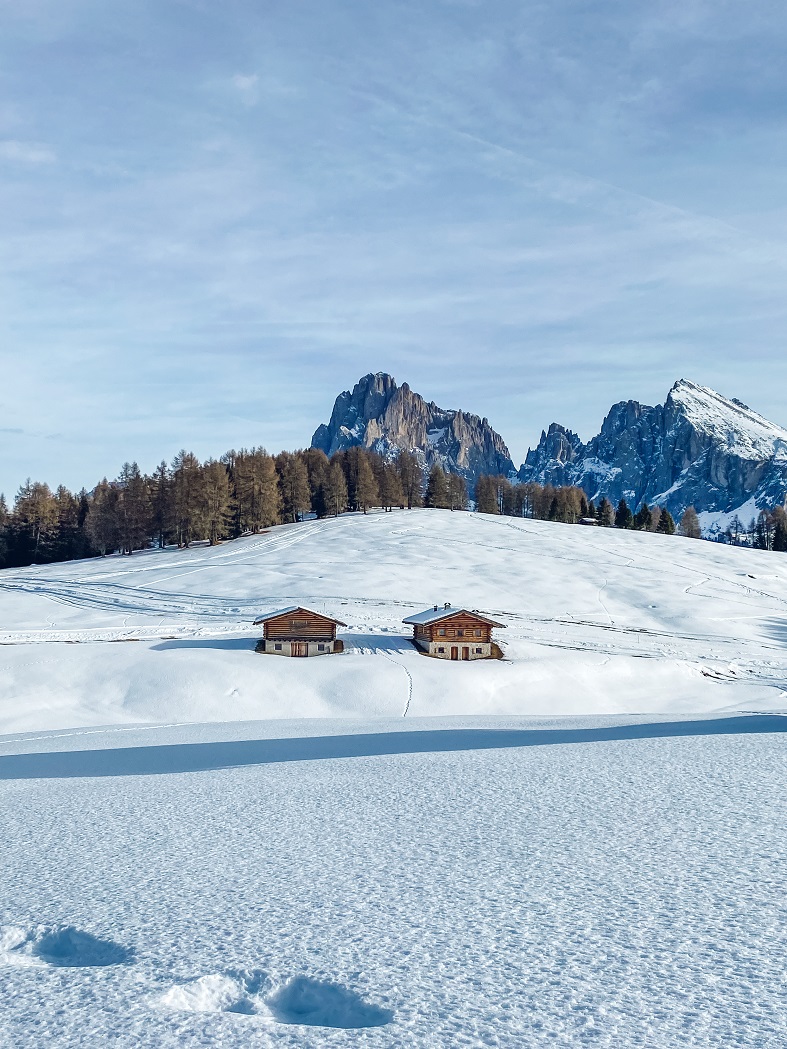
[(214, 219)]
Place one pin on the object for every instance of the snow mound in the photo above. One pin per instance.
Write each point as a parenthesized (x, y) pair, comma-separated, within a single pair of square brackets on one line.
[(62, 946), (317, 1003), (217, 993)]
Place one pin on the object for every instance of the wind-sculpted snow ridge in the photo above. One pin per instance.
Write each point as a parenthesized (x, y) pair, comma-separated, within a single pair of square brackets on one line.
[(698, 449)]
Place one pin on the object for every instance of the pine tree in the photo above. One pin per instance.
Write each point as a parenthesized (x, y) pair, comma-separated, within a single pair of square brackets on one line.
[(642, 518), (623, 515), (606, 515), (134, 518), (437, 489), (690, 524), (102, 520), (666, 523), (161, 508)]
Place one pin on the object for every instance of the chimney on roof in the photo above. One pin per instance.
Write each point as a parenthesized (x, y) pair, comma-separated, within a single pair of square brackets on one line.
[(447, 604), (436, 607)]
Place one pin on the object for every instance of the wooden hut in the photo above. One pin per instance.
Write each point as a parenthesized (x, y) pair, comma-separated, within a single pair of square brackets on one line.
[(453, 633), (297, 631)]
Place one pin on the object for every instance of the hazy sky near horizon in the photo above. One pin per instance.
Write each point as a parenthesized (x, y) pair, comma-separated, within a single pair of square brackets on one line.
[(215, 217)]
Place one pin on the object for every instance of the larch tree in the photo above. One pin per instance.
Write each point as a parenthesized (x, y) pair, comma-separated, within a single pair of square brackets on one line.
[(486, 495), (293, 485), (412, 479), (690, 524), (457, 492), (216, 488), (335, 490), (367, 493)]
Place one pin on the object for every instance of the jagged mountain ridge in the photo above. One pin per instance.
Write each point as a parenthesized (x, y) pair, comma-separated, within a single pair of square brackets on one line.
[(697, 449), (387, 418)]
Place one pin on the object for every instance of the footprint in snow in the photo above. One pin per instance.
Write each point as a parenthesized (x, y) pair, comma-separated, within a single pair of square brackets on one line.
[(301, 1000), (63, 946)]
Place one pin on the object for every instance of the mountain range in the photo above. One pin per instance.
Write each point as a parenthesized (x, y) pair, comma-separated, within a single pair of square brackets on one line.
[(697, 449)]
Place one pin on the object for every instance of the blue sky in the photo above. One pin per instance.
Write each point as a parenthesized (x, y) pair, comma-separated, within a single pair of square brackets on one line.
[(214, 217)]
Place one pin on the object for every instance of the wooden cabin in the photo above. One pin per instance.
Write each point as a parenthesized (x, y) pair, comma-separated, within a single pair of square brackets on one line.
[(453, 633), (297, 631)]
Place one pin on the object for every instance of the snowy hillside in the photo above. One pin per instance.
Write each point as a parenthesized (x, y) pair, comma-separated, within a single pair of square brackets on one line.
[(597, 621), (203, 846)]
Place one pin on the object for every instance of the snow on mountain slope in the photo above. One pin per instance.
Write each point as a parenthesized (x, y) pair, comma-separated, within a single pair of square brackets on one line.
[(744, 432), (597, 621)]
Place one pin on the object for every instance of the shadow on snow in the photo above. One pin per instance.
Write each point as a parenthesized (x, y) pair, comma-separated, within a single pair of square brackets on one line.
[(202, 757)]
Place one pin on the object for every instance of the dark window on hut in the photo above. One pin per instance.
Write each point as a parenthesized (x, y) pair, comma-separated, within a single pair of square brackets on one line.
[(478, 632), (440, 648), (321, 648), (277, 648), (441, 632), (478, 651), (460, 633)]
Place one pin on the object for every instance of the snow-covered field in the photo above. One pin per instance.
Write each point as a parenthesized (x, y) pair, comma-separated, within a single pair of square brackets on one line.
[(582, 844)]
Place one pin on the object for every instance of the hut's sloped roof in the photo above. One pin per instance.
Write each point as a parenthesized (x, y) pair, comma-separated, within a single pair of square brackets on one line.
[(281, 612), (435, 615)]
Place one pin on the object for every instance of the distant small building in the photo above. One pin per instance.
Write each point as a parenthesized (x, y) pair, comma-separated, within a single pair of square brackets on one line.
[(297, 631), (591, 521), (453, 633)]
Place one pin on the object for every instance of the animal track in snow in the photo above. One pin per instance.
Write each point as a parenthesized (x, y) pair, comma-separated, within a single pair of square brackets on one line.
[(63, 946)]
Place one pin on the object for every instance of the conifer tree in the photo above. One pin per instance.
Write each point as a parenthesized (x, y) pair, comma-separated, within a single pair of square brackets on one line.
[(293, 485), (690, 524), (779, 530), (436, 495), (161, 508), (642, 518), (390, 486), (35, 521), (457, 492), (606, 515), (335, 489), (623, 515), (216, 486), (486, 495), (666, 523), (367, 493), (102, 521), (188, 498), (412, 479)]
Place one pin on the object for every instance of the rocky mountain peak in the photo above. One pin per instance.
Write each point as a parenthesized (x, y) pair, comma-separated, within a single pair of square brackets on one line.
[(387, 418)]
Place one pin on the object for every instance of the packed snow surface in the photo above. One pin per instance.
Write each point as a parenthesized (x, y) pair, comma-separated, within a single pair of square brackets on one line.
[(582, 844)]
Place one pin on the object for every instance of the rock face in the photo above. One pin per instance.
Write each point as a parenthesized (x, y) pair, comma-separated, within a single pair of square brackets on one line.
[(387, 418), (697, 449)]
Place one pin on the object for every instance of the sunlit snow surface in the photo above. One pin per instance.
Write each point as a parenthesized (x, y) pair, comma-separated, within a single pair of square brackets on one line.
[(612, 877)]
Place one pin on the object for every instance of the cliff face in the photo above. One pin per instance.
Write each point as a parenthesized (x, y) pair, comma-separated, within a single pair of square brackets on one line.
[(697, 449), (379, 415)]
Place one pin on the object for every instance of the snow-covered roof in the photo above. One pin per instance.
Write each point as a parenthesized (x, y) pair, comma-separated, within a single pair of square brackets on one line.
[(295, 608), (434, 615)]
